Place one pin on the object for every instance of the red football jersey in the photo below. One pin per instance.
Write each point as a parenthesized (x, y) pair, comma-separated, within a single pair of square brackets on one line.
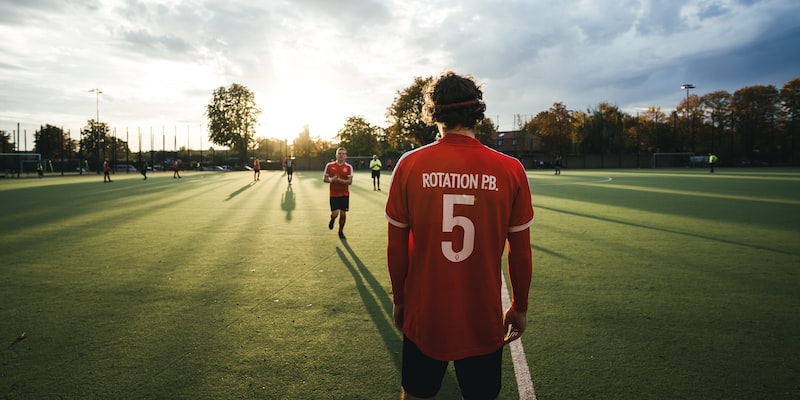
[(461, 200), (343, 171)]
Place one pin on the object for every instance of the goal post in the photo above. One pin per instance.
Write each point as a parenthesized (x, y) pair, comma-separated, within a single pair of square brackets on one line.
[(672, 160), (17, 162)]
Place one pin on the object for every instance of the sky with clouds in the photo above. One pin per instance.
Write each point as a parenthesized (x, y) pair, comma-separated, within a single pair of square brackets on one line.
[(318, 62)]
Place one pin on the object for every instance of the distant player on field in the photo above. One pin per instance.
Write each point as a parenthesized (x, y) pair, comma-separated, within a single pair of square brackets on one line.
[(256, 169), (289, 165), (340, 176), (452, 206), (175, 169), (106, 171)]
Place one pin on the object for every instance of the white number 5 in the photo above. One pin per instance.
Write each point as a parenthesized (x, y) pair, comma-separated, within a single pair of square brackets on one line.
[(450, 221)]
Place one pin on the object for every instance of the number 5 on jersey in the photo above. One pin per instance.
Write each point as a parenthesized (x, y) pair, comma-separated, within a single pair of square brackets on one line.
[(450, 221)]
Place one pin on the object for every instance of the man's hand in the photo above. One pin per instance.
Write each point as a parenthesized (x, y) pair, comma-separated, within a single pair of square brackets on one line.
[(514, 323), (398, 316)]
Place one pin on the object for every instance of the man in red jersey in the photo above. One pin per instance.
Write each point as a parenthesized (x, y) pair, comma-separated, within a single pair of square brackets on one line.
[(452, 206), (256, 169), (176, 169), (340, 175), (106, 171)]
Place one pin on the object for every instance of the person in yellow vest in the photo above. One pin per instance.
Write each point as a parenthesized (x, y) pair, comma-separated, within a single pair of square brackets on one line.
[(40, 169), (712, 159), (375, 165)]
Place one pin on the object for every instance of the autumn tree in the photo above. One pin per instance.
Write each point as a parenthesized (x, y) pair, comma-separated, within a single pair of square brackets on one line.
[(651, 129), (692, 112), (232, 117), (790, 116), (407, 129), (754, 110), (717, 109), (555, 127)]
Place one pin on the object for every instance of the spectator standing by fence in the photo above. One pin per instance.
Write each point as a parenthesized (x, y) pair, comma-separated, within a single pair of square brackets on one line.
[(375, 166), (712, 159)]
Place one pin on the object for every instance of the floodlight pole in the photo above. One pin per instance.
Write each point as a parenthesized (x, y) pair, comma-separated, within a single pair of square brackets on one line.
[(688, 86), (97, 93)]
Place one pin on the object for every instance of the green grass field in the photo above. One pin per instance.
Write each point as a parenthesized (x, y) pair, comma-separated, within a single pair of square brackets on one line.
[(648, 284)]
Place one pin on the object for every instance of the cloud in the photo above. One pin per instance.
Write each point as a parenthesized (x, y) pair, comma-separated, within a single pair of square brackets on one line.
[(318, 62)]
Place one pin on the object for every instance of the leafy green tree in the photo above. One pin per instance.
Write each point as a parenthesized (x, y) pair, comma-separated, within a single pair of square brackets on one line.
[(94, 143), (406, 129), (50, 141), (271, 149), (232, 117), (485, 131), (359, 137), (303, 145), (5, 142), (604, 130)]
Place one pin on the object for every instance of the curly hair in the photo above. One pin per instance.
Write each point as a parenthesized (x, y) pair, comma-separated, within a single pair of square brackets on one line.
[(453, 100)]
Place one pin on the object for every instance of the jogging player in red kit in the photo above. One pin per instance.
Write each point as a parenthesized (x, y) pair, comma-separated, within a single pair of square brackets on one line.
[(340, 175), (452, 207)]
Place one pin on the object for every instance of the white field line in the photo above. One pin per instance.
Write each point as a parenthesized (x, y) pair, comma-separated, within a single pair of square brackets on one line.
[(521, 371)]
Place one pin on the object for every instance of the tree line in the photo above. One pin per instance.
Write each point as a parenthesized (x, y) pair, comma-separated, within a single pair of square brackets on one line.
[(754, 124)]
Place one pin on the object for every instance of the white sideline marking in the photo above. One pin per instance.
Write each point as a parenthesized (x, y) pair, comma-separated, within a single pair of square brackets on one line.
[(521, 371)]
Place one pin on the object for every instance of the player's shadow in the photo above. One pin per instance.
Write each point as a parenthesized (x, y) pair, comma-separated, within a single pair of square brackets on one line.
[(240, 190), (287, 202), (379, 306), (377, 301)]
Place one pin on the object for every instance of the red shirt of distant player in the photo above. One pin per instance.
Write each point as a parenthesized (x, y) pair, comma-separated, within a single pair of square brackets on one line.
[(106, 167), (175, 165), (461, 200), (256, 164), (341, 171)]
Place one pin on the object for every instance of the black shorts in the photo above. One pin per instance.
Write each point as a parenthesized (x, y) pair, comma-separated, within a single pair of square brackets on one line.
[(289, 170), (376, 174), (479, 377), (340, 203)]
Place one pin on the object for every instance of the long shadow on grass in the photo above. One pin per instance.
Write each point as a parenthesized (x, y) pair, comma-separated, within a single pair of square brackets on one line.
[(676, 232), (551, 252), (287, 202), (380, 309), (376, 301), (240, 190)]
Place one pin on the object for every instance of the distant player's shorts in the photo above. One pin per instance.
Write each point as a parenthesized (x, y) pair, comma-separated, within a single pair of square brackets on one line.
[(479, 377), (256, 169), (340, 203), (290, 170), (376, 174)]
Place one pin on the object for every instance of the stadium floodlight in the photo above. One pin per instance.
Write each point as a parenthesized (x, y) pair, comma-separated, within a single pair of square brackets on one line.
[(97, 93), (688, 86)]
